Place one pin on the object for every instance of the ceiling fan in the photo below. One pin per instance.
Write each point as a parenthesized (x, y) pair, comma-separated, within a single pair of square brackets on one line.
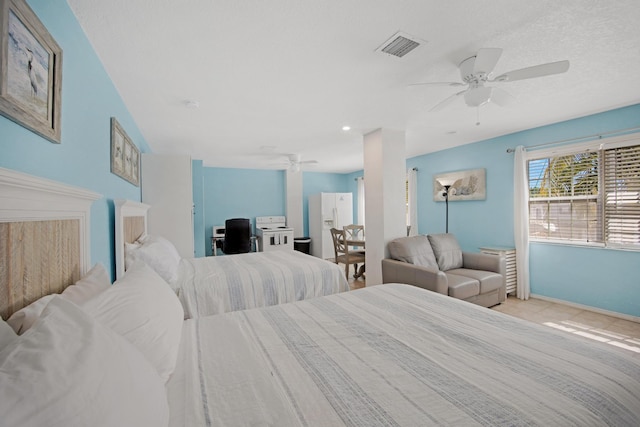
[(294, 162), (476, 71)]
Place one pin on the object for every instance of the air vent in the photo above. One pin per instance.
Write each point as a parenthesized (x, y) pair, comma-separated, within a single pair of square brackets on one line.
[(400, 44)]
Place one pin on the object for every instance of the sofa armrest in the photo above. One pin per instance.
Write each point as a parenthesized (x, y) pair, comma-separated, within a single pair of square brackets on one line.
[(394, 271), (484, 262)]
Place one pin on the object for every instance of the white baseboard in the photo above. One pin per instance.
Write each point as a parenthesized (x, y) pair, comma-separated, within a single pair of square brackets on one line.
[(588, 308)]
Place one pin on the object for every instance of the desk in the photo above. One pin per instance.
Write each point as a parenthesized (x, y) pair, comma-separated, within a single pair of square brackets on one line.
[(216, 242)]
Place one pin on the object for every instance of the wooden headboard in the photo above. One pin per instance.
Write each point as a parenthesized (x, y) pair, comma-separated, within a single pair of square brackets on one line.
[(130, 223), (44, 237)]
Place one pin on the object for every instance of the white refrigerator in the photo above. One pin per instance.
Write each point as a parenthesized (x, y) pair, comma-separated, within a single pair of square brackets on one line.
[(326, 211)]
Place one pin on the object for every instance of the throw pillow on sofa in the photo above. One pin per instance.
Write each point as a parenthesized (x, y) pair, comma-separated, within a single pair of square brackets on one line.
[(447, 251), (414, 250)]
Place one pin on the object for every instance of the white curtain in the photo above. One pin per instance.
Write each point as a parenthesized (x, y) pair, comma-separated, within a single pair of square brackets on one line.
[(412, 201), (360, 200), (521, 221)]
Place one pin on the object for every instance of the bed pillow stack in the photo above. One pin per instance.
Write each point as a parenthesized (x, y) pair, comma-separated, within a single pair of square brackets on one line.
[(70, 370), (92, 356), (93, 283), (142, 308), (158, 253)]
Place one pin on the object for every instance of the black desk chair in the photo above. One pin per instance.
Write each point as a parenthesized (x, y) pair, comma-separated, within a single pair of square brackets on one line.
[(237, 236)]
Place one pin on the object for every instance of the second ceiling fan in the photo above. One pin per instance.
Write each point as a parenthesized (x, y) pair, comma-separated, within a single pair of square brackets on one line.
[(475, 73)]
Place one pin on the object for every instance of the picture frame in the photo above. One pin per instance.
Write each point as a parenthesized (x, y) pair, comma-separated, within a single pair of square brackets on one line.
[(467, 185), (125, 156), (30, 71)]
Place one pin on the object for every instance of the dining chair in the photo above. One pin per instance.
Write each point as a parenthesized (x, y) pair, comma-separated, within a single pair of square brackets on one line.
[(354, 232), (342, 253)]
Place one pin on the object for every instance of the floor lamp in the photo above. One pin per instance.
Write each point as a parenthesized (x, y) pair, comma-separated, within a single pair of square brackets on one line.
[(446, 183)]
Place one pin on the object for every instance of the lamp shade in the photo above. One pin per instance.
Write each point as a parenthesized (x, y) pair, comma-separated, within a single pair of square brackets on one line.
[(446, 181)]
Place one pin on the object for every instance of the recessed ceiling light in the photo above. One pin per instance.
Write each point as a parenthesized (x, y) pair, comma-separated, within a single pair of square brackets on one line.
[(346, 128)]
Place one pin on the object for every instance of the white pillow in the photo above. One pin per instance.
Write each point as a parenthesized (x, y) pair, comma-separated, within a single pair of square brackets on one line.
[(7, 334), (68, 370), (94, 282), (158, 253), (24, 318), (142, 307)]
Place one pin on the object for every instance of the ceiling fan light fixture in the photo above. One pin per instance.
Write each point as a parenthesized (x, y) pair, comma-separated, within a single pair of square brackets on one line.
[(478, 96)]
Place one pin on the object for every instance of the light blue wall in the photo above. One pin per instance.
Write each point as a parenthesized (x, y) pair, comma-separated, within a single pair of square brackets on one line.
[(319, 182), (240, 193), (248, 193), (603, 278), (352, 187), (89, 99)]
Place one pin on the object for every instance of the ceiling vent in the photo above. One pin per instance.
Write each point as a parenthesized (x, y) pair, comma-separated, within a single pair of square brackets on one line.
[(400, 44)]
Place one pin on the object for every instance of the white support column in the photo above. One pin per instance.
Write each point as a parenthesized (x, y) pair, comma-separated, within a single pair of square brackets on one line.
[(384, 185), (294, 202)]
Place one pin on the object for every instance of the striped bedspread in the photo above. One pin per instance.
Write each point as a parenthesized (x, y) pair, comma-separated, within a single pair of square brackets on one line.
[(215, 285), (395, 355)]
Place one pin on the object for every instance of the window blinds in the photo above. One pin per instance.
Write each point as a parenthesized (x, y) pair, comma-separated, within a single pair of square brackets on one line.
[(622, 195), (589, 196)]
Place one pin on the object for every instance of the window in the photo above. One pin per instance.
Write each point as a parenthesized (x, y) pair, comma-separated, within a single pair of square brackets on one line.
[(589, 196)]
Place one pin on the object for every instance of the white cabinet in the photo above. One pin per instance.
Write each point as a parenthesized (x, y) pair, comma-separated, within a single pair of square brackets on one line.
[(510, 257), (167, 186)]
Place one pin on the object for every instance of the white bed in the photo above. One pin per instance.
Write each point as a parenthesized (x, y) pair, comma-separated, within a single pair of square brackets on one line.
[(395, 355), (215, 285)]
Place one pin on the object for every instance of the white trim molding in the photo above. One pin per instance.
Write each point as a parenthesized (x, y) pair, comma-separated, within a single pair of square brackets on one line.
[(588, 308), (126, 208), (25, 197)]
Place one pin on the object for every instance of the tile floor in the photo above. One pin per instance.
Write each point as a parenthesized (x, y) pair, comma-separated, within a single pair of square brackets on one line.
[(620, 333)]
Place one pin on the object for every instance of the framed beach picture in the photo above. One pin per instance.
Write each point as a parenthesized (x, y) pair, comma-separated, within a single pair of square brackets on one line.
[(30, 71), (467, 185), (125, 156)]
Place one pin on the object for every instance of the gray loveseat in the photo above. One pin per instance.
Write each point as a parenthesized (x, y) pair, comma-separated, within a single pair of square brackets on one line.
[(437, 263)]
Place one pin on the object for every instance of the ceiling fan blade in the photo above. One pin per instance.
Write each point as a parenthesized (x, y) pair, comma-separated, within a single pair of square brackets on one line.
[(308, 162), (486, 60), (438, 84), (501, 97), (446, 102), (535, 71)]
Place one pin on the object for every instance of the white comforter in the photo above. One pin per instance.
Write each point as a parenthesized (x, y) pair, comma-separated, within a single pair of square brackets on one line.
[(395, 355), (215, 285)]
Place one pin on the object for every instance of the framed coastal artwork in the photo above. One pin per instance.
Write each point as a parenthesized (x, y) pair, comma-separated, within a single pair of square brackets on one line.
[(30, 71), (467, 185), (125, 156)]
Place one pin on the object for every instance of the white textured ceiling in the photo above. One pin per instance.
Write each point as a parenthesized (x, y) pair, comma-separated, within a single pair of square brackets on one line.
[(289, 74)]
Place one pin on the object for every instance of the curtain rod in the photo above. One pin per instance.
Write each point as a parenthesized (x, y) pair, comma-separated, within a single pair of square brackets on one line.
[(595, 135)]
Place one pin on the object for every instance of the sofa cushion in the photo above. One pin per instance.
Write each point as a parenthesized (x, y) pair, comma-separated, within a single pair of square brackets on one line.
[(414, 250), (447, 251), (462, 287), (489, 281)]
